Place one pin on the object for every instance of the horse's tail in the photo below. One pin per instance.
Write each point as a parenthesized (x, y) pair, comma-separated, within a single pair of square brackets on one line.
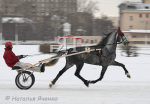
[(56, 58)]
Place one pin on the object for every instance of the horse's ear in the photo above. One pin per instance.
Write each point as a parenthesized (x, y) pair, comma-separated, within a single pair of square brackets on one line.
[(119, 30)]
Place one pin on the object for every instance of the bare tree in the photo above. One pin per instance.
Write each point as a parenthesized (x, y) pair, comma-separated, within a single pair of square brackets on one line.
[(88, 6), (103, 26), (81, 23)]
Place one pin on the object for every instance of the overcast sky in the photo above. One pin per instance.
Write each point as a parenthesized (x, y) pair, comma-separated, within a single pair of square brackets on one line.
[(110, 7)]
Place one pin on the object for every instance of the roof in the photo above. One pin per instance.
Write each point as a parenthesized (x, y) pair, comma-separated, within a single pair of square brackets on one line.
[(137, 31), (130, 6), (69, 36)]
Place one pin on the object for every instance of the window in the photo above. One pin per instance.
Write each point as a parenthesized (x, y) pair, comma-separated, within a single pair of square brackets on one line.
[(130, 27), (38, 18), (95, 41), (42, 13), (42, 5), (131, 7), (146, 7), (82, 40), (92, 41), (146, 22), (38, 14), (65, 5), (65, 9), (33, 5), (140, 15), (147, 15), (140, 22), (131, 18), (133, 36), (56, 5), (87, 41)]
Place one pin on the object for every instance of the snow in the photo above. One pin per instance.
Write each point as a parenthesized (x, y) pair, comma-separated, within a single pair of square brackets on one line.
[(115, 88), (16, 20), (143, 9)]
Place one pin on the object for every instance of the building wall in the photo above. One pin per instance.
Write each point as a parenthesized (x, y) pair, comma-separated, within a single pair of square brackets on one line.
[(132, 20), (39, 8), (136, 16), (146, 1)]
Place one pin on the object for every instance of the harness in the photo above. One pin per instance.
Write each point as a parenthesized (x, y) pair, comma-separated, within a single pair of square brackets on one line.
[(100, 52)]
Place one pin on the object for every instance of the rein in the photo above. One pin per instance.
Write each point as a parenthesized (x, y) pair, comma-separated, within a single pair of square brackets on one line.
[(115, 43)]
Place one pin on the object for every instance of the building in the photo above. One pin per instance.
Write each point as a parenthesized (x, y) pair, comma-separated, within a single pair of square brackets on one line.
[(37, 9), (135, 20), (80, 40), (146, 1), (90, 39), (47, 16)]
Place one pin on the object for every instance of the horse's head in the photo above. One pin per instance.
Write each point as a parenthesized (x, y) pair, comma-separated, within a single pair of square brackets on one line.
[(121, 37)]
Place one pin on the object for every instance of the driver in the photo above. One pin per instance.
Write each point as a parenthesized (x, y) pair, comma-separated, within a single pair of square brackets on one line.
[(13, 61)]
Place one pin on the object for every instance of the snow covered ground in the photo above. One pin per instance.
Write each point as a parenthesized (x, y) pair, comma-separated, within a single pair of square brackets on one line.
[(115, 88)]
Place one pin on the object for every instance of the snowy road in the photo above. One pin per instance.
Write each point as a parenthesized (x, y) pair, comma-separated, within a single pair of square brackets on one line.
[(115, 88), (104, 93)]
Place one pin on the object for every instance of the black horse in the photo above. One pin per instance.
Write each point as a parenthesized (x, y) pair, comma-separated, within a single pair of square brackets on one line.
[(104, 58)]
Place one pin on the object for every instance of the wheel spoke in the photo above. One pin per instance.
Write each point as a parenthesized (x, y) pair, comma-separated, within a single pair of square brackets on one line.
[(25, 80)]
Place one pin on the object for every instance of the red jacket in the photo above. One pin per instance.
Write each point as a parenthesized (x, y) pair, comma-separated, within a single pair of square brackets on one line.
[(10, 58)]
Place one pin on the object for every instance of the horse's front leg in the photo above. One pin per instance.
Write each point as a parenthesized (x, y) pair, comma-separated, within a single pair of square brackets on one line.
[(115, 63), (104, 68), (77, 73)]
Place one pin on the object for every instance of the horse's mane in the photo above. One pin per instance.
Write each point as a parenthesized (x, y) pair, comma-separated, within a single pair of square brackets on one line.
[(104, 40)]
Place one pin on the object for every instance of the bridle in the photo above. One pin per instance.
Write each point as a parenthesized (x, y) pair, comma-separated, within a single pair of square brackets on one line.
[(123, 39)]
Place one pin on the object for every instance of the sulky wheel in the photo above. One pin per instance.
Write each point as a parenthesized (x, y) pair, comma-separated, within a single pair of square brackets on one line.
[(24, 80)]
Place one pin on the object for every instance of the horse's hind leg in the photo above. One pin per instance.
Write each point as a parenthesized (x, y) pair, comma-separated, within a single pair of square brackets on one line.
[(104, 68), (67, 66), (123, 66), (77, 73)]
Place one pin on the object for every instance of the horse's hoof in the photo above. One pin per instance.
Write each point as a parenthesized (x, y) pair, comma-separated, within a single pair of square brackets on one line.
[(92, 82), (86, 83), (51, 85), (89, 81), (128, 75)]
